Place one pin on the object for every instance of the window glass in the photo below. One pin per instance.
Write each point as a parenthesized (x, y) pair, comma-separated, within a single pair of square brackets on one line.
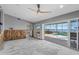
[(65, 27), (52, 27), (74, 25), (59, 27), (47, 26)]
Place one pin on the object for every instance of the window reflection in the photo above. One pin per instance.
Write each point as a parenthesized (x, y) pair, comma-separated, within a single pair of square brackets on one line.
[(74, 25), (58, 27)]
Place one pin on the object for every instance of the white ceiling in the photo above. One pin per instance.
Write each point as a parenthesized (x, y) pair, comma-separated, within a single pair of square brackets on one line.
[(22, 11)]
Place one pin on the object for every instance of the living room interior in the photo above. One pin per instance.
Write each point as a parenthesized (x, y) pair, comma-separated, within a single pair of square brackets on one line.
[(39, 29)]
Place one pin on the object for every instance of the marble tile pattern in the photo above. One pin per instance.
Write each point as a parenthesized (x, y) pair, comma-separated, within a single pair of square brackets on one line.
[(34, 46)]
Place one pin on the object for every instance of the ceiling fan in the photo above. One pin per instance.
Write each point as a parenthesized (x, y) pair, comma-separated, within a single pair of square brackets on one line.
[(38, 9)]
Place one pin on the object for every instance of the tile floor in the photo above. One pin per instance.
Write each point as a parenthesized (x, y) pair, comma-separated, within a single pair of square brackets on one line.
[(35, 47)]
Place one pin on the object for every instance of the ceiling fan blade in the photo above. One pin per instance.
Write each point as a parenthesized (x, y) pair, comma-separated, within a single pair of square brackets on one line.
[(32, 9), (45, 11)]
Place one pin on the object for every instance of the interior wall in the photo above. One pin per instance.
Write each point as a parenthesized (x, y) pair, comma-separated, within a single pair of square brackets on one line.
[(12, 22)]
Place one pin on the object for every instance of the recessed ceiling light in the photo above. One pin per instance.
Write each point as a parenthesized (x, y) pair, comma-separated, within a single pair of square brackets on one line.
[(61, 6)]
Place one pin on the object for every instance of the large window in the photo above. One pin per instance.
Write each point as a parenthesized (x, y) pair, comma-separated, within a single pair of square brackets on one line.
[(62, 27), (48, 26), (53, 27), (38, 26), (59, 28), (74, 25), (65, 27)]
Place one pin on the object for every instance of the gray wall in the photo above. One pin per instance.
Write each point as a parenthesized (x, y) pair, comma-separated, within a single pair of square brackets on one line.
[(12, 22), (62, 18)]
